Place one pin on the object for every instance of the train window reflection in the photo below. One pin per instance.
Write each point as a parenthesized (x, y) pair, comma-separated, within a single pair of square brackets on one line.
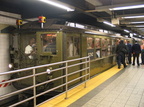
[(49, 42), (73, 46), (90, 47), (98, 46), (114, 44), (90, 43), (97, 43), (104, 50)]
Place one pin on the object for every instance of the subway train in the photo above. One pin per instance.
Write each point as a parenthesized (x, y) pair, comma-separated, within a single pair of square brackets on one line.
[(56, 40)]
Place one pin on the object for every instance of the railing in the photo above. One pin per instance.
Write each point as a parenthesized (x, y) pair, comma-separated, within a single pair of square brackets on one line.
[(83, 72)]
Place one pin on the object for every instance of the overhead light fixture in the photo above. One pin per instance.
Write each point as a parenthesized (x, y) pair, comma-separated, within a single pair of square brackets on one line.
[(91, 32), (79, 26), (140, 26), (105, 31), (126, 31), (131, 35), (127, 7), (108, 23), (76, 25), (57, 5), (137, 22), (140, 36), (101, 30), (134, 34), (130, 17)]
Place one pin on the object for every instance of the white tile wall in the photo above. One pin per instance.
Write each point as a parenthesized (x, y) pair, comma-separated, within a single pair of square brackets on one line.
[(6, 20)]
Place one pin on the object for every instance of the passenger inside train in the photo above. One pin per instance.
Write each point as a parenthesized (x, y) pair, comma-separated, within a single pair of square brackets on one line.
[(49, 43), (30, 49), (51, 47)]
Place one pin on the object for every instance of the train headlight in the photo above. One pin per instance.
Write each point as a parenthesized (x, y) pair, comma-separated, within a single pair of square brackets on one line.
[(10, 65)]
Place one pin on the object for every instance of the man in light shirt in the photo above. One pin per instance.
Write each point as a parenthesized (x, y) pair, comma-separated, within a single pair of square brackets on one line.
[(29, 49)]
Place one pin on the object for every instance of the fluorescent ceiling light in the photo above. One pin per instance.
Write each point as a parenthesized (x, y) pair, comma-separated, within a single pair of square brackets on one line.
[(108, 23), (91, 32), (134, 34), (131, 35), (130, 17), (80, 26), (127, 7), (57, 5), (140, 26), (76, 25), (101, 30), (126, 31), (70, 24), (140, 36), (105, 31), (137, 22)]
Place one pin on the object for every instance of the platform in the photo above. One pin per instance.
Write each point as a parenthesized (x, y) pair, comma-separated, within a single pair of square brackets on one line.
[(112, 88)]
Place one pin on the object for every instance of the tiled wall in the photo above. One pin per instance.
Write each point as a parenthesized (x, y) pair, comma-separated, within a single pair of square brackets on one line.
[(8, 20)]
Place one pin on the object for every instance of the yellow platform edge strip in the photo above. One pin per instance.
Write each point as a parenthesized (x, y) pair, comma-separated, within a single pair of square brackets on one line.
[(79, 91)]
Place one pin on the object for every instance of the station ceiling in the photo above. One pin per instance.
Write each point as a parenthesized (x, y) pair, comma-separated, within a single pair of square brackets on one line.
[(92, 12)]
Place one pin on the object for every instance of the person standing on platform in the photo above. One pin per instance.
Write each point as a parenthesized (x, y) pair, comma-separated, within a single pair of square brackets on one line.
[(129, 46), (136, 50), (121, 50), (142, 52)]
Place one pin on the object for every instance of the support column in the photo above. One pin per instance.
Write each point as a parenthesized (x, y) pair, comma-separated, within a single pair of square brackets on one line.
[(4, 62)]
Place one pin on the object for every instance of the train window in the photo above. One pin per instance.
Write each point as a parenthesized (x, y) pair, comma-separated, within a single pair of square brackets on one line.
[(90, 47), (97, 43), (104, 47), (108, 47), (49, 42), (90, 43), (114, 44), (73, 46), (98, 46), (104, 43)]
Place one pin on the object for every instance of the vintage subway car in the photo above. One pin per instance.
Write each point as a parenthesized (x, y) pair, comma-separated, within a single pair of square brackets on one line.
[(59, 40)]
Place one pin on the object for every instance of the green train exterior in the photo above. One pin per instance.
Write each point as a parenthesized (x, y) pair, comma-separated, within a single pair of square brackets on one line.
[(71, 43)]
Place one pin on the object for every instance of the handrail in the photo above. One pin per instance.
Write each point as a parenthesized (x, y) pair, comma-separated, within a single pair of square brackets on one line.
[(35, 67), (85, 61)]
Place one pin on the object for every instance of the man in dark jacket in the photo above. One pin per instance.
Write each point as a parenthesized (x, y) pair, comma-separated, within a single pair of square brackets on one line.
[(129, 51), (136, 50), (121, 54)]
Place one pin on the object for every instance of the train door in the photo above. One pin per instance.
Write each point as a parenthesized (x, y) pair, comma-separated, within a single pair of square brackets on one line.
[(72, 50), (49, 50), (49, 47)]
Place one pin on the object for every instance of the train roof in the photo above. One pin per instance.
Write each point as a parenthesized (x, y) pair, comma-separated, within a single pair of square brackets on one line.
[(59, 24)]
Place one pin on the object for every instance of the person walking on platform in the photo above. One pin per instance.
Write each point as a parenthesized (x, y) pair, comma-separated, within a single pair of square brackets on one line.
[(142, 53), (136, 50), (121, 50), (129, 46)]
